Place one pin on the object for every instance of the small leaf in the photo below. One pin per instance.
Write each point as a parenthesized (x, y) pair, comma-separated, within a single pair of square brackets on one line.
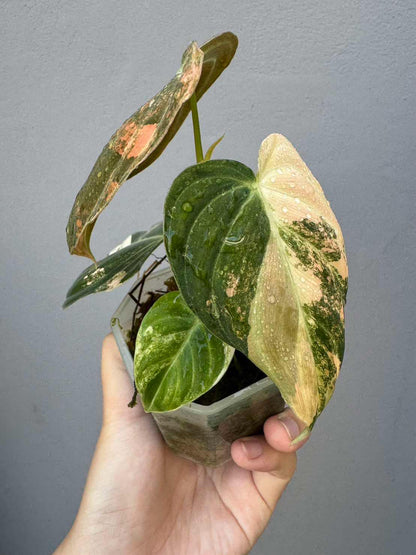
[(261, 261), (212, 148), (119, 266), (177, 359), (133, 143)]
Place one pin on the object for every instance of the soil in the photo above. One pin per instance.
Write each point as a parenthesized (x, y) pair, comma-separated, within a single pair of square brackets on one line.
[(240, 374)]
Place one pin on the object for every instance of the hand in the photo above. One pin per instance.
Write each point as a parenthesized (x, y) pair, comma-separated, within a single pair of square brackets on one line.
[(141, 498)]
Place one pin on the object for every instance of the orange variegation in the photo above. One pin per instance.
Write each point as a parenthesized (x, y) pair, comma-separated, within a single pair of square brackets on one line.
[(144, 136), (218, 53), (128, 148)]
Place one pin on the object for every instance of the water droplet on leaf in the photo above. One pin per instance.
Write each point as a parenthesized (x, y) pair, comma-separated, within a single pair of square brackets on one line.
[(187, 207), (234, 239)]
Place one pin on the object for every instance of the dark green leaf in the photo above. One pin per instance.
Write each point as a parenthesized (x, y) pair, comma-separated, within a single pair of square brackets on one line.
[(177, 358), (215, 237), (119, 266)]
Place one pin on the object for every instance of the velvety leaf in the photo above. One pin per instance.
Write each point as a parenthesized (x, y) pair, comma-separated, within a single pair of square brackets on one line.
[(177, 358), (218, 53), (136, 139), (120, 265), (261, 261)]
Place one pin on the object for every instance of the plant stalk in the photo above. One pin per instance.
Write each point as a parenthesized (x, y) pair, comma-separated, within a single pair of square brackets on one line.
[(197, 131)]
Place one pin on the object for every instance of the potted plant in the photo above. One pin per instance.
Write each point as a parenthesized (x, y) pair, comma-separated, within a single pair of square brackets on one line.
[(250, 314)]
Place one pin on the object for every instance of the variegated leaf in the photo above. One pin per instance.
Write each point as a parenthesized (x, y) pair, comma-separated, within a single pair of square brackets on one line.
[(261, 261), (136, 139), (120, 265), (218, 53), (145, 135), (177, 358)]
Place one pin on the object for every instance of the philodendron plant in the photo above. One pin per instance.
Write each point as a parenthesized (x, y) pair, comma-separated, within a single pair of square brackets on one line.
[(258, 259)]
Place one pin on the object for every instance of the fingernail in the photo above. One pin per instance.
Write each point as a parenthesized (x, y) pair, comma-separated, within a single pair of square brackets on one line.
[(252, 448), (290, 424)]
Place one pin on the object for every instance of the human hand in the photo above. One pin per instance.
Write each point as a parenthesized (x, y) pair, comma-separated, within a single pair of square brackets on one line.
[(140, 498)]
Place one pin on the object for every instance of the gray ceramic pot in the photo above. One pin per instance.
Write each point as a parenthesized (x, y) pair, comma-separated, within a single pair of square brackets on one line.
[(201, 433)]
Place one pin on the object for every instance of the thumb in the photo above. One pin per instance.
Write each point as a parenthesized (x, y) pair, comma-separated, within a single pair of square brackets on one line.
[(117, 385), (272, 457)]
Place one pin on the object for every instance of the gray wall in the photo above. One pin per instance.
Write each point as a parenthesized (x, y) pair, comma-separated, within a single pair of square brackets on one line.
[(337, 77)]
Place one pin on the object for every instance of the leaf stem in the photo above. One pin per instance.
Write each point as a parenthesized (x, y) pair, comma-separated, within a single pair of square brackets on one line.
[(197, 131)]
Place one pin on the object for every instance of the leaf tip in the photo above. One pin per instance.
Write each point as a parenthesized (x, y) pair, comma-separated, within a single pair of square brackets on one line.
[(303, 435)]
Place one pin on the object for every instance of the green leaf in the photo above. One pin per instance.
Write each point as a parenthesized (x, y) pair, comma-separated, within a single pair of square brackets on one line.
[(218, 53), (133, 143), (177, 359), (261, 261), (119, 266)]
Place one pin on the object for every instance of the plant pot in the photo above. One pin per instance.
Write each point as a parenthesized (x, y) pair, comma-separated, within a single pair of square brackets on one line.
[(201, 433)]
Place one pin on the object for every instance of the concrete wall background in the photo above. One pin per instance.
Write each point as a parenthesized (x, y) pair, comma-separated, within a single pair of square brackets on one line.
[(338, 79)]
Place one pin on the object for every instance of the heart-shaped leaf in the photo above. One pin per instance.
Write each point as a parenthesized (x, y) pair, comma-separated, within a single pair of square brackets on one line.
[(177, 358), (119, 266), (136, 139), (261, 261)]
